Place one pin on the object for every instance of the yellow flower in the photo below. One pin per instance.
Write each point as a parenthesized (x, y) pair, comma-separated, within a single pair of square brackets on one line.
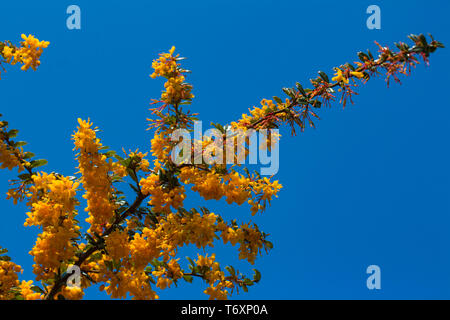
[(72, 293), (8, 157), (357, 74), (28, 53), (95, 168), (339, 77), (117, 245), (27, 292), (8, 278)]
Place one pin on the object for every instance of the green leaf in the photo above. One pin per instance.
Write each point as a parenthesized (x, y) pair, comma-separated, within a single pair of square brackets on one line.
[(12, 133), (24, 176), (38, 163), (110, 153), (277, 99), (37, 289), (190, 261), (269, 244), (188, 278), (324, 76), (28, 155), (300, 88), (19, 144), (132, 175), (231, 270), (256, 276)]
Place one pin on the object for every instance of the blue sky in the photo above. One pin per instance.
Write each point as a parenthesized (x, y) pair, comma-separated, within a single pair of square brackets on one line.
[(370, 185)]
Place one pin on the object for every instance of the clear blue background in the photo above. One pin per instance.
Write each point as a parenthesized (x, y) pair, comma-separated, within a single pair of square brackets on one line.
[(369, 186)]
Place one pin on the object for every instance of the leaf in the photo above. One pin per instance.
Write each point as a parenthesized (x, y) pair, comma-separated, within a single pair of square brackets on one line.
[(19, 144), (28, 155), (110, 153), (218, 127), (12, 133), (289, 92), (256, 276), (300, 88), (277, 99), (190, 261), (38, 163), (324, 76), (231, 270), (132, 175), (24, 176), (188, 278), (37, 289)]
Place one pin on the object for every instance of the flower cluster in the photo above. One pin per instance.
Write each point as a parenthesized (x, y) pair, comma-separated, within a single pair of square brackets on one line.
[(28, 53), (8, 158), (94, 168), (52, 199), (162, 198), (235, 187), (8, 279), (167, 275), (176, 90), (258, 113), (117, 245), (27, 292), (215, 277)]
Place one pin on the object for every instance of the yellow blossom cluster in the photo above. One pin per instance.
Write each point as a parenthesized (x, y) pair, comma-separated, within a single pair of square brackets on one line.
[(257, 113), (71, 293), (128, 279), (165, 65), (249, 238), (166, 276), (161, 241), (52, 201), (144, 164), (160, 147), (176, 89), (28, 53), (162, 198), (144, 247), (27, 293), (218, 284), (8, 278), (234, 186), (117, 245), (340, 77), (136, 283), (179, 230), (8, 157), (94, 168)]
